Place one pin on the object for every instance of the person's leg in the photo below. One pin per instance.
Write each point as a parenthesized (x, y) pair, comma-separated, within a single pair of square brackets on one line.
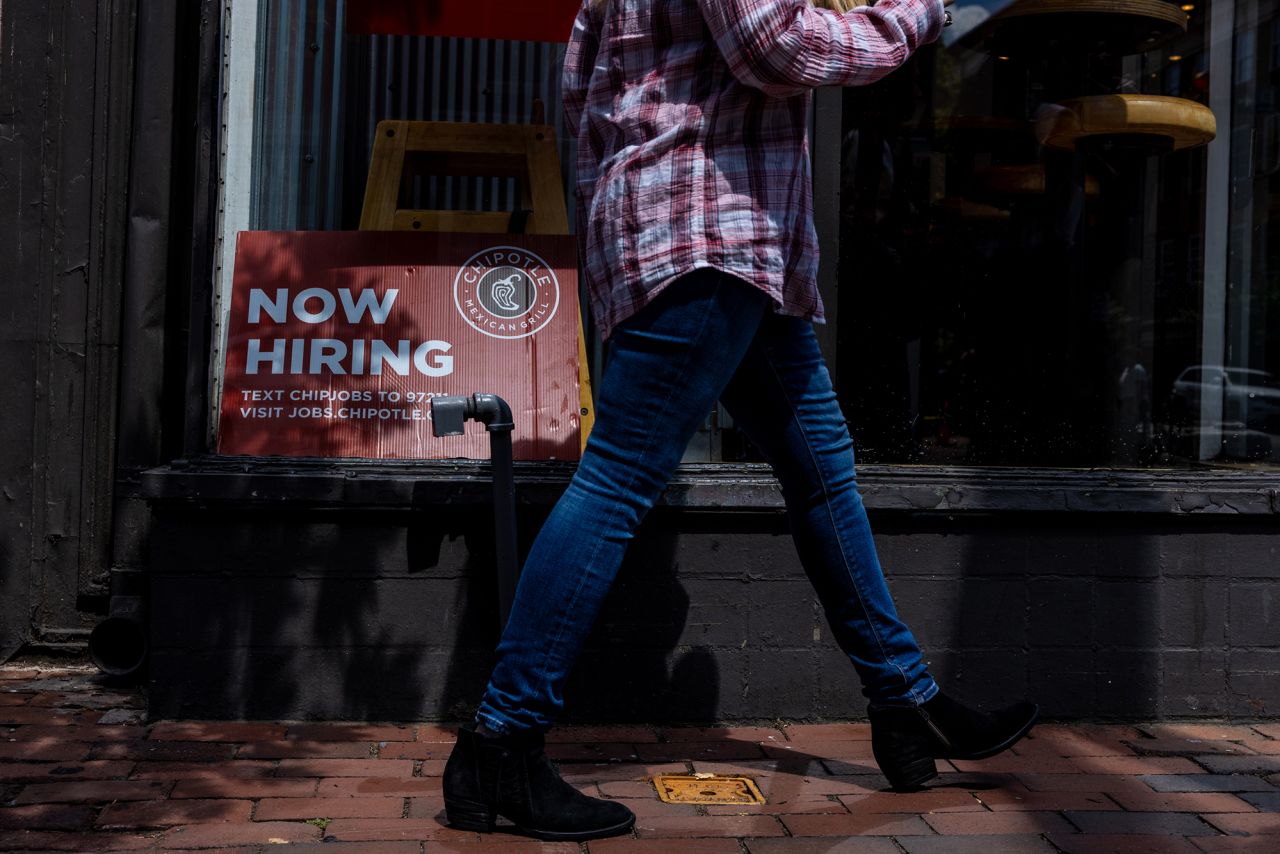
[(668, 364), (782, 398)]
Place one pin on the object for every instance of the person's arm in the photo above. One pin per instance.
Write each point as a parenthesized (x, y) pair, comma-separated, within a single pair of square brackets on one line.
[(785, 47), (579, 59)]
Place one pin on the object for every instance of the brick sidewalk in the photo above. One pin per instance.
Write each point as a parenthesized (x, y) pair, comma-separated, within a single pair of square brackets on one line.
[(81, 771)]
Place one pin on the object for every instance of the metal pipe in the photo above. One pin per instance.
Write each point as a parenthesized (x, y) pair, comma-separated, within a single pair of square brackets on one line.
[(448, 415), (118, 645)]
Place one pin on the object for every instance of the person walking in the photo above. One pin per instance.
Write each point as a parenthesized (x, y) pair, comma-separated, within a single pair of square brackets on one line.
[(695, 217)]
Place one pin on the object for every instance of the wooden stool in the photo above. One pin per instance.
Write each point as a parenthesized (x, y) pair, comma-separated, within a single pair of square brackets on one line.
[(1170, 123), (1020, 180), (526, 153)]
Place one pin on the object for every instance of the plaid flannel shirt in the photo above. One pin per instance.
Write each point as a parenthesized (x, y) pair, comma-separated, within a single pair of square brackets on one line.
[(692, 118)]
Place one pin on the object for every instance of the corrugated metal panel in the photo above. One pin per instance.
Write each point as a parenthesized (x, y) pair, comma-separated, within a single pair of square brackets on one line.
[(321, 92)]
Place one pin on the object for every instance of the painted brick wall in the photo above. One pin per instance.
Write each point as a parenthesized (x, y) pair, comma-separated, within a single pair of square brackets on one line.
[(392, 615)]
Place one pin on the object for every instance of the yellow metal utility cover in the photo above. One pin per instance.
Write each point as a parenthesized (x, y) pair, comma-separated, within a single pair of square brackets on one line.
[(707, 789)]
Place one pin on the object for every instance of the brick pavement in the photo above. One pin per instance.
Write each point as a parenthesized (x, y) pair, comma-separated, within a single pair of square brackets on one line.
[(82, 770)]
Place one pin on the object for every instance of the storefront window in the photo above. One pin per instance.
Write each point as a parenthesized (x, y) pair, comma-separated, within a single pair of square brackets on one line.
[(1007, 297), (1011, 296), (304, 97)]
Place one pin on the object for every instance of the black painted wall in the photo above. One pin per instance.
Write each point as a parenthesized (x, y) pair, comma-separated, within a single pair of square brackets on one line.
[(385, 614), (65, 104)]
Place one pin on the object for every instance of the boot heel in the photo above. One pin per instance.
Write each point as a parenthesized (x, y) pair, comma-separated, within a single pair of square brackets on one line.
[(463, 815), (909, 776), (904, 752)]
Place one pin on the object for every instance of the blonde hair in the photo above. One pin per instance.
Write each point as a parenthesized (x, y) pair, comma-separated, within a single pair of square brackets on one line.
[(833, 5)]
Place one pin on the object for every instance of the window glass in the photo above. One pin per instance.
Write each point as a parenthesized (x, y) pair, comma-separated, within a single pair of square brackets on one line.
[(321, 93), (1005, 297), (1016, 293), (303, 98)]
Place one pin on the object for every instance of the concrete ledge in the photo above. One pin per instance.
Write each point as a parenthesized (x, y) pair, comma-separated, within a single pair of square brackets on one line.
[(714, 487), (357, 590), (282, 610)]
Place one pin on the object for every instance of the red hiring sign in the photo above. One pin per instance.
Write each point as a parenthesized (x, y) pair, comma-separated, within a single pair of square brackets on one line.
[(337, 341)]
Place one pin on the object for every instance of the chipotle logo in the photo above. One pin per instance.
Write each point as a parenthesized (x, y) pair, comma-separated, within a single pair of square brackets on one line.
[(506, 292)]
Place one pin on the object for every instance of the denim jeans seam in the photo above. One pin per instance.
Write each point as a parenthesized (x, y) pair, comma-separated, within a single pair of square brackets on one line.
[(572, 603), (491, 723), (616, 510), (844, 558)]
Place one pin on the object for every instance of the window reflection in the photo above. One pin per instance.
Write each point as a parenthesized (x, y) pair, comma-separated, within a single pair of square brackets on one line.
[(1005, 299), (1016, 292)]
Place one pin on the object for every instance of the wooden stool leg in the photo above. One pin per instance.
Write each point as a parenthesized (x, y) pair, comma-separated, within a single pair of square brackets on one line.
[(587, 414), (541, 192), (382, 189), (549, 213)]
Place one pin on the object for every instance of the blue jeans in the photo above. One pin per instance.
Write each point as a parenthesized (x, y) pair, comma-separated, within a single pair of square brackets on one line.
[(708, 336)]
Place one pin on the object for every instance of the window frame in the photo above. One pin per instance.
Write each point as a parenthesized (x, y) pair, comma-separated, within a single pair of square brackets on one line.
[(200, 474)]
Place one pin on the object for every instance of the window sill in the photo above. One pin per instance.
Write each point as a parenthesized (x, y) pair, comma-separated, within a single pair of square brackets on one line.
[(706, 487)]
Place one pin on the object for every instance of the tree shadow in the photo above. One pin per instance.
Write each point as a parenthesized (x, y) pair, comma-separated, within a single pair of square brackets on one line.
[(785, 774), (634, 666), (293, 614)]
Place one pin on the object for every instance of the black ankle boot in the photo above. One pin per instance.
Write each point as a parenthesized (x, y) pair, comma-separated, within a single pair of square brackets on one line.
[(511, 776), (906, 741)]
